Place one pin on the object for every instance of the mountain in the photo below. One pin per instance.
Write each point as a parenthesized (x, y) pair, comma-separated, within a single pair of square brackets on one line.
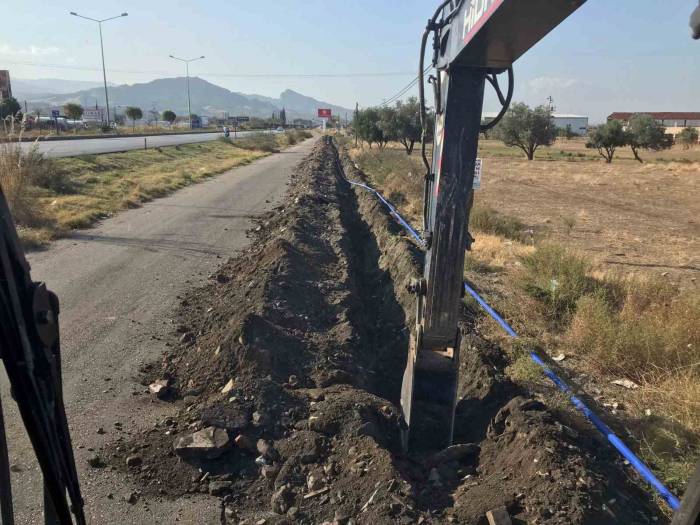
[(26, 88), (207, 99)]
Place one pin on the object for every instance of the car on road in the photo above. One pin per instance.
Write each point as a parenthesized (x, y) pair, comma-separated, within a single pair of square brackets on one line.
[(280, 128)]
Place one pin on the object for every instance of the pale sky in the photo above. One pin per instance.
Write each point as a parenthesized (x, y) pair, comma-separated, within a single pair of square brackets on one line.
[(610, 55)]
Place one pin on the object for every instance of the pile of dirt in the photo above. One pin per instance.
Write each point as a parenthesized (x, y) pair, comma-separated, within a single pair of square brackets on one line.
[(288, 371)]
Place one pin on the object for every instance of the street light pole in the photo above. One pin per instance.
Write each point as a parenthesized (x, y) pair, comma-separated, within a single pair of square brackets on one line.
[(102, 51), (187, 72)]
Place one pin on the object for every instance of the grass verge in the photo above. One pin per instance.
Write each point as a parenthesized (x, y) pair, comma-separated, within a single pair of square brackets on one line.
[(49, 197)]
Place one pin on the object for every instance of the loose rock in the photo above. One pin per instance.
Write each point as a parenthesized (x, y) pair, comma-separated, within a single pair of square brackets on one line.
[(208, 443)]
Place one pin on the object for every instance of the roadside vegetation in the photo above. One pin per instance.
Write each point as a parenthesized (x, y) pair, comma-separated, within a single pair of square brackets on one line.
[(50, 197), (557, 253)]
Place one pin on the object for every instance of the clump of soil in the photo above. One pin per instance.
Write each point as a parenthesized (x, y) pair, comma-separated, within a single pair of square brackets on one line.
[(297, 348)]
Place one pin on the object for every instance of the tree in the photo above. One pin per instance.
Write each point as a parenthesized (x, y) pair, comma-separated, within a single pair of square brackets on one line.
[(527, 128), (606, 138), (169, 116), (643, 132), (283, 117), (688, 137), (134, 114), (368, 128), (73, 111), (9, 107)]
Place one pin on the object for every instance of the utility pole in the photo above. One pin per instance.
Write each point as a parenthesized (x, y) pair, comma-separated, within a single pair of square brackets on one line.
[(187, 72), (102, 50)]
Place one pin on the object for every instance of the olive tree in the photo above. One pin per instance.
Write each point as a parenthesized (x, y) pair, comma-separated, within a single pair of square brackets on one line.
[(527, 128), (645, 133), (606, 138)]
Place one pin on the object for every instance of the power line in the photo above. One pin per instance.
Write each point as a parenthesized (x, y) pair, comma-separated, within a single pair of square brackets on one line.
[(219, 74), (403, 90)]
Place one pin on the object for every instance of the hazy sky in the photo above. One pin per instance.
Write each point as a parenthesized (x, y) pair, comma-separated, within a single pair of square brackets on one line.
[(611, 55)]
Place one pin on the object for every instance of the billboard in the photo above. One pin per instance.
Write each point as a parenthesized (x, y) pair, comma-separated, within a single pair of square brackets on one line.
[(324, 113)]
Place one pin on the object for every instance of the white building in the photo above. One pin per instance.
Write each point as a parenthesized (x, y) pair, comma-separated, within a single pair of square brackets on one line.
[(578, 123)]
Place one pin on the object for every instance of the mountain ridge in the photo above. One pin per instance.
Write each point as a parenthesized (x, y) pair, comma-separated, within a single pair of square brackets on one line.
[(207, 99)]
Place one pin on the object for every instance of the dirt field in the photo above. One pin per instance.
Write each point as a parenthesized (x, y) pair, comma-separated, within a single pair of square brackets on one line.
[(637, 216), (287, 370)]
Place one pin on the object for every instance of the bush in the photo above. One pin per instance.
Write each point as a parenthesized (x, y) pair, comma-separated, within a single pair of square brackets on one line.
[(488, 220), (655, 331), (257, 141), (558, 278)]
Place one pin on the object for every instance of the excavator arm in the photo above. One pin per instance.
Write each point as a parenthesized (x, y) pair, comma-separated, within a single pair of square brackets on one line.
[(473, 41)]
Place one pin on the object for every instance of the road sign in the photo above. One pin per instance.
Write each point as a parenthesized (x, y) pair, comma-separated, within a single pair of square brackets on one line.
[(324, 113), (242, 119), (55, 113)]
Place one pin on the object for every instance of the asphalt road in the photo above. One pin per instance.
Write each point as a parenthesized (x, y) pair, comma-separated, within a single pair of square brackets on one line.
[(118, 285), (70, 148)]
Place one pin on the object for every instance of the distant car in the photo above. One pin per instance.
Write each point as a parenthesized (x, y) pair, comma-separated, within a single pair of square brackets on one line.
[(280, 128)]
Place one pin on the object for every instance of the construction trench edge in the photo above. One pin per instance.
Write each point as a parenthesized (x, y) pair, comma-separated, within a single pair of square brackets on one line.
[(292, 358)]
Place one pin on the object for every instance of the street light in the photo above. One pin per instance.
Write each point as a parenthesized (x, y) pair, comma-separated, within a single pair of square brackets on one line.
[(102, 49), (187, 69)]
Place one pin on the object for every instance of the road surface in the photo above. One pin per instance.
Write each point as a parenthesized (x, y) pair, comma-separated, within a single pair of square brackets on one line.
[(70, 148), (118, 285)]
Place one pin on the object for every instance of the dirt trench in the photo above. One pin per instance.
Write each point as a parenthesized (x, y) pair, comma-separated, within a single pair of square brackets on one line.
[(295, 352)]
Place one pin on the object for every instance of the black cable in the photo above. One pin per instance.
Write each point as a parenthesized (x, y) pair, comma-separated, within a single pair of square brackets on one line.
[(505, 103)]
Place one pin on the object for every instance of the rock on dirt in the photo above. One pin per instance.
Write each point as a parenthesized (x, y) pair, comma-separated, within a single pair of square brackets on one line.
[(208, 443)]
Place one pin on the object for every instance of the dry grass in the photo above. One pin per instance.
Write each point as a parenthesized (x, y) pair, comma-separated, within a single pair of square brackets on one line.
[(75, 192)]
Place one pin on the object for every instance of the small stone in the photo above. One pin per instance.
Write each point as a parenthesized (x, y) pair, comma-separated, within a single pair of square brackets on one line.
[(187, 338), (244, 442), (208, 443), (101, 431), (95, 461), (132, 498), (498, 516), (219, 488), (281, 500), (266, 450), (134, 461), (160, 388), (340, 517), (292, 512), (227, 387), (293, 381)]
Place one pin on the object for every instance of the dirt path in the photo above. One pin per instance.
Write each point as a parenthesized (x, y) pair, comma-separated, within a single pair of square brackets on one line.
[(119, 285), (284, 388)]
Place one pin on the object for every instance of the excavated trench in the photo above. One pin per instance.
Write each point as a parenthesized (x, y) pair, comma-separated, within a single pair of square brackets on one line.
[(293, 357)]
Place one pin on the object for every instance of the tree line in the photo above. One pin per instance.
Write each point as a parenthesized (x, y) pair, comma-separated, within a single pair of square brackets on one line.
[(399, 123), (522, 127)]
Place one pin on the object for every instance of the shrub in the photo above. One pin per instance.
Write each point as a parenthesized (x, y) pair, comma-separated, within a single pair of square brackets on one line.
[(558, 278), (257, 141), (488, 220), (655, 331), (20, 169)]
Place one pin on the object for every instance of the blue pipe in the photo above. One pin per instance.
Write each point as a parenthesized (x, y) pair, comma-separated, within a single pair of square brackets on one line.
[(604, 429)]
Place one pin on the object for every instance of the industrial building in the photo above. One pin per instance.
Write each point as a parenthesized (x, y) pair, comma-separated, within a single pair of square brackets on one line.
[(673, 121)]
